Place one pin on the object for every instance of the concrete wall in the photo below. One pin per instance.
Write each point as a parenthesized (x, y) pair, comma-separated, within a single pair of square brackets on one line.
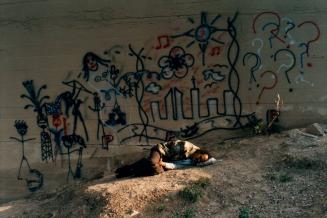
[(183, 69)]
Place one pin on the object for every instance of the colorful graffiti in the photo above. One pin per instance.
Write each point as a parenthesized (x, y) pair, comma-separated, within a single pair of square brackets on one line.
[(62, 138), (282, 43), (152, 92), (171, 88)]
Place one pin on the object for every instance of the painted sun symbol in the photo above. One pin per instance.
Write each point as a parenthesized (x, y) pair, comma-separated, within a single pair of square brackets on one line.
[(202, 34)]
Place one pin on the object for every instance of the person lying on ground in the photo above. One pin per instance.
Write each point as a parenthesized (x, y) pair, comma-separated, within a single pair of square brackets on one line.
[(189, 162), (162, 157)]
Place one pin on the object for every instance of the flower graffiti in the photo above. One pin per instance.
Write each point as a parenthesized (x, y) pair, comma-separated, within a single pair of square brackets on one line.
[(177, 63)]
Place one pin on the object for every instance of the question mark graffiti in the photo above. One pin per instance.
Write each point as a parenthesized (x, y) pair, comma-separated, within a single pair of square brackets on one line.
[(260, 45), (287, 66), (274, 32), (291, 66), (300, 78), (255, 67), (289, 26), (305, 52), (308, 43), (259, 48), (267, 87)]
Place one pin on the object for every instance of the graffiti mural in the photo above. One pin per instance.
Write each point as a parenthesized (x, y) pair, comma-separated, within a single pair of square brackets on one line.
[(62, 137), (175, 86), (180, 84), (286, 45), (203, 34), (74, 143), (34, 179), (57, 134), (34, 95)]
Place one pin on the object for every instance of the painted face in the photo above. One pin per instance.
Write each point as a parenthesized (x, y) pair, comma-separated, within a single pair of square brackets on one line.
[(91, 63), (22, 131), (56, 121), (21, 127)]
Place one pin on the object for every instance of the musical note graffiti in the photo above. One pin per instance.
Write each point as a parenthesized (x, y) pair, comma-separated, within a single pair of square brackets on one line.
[(163, 42)]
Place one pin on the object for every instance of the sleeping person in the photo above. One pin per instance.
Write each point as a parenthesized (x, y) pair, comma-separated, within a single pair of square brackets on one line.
[(166, 156)]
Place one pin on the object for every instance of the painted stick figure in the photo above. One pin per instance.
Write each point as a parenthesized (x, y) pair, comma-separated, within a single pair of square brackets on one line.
[(77, 87), (78, 115), (68, 142), (57, 133), (34, 180), (21, 128), (97, 108)]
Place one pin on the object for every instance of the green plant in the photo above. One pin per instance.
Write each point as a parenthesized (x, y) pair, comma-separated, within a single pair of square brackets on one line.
[(244, 213), (203, 182), (190, 194), (281, 178), (270, 176), (161, 208), (285, 178), (187, 213), (301, 163), (259, 128), (194, 192)]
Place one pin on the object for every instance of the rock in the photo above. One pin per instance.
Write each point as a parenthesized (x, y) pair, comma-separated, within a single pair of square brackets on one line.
[(134, 213), (315, 129), (296, 133)]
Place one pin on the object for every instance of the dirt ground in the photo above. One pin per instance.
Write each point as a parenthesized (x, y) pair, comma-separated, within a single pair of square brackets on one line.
[(281, 175)]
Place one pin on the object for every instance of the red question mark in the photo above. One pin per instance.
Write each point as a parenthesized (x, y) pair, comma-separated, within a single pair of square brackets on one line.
[(267, 87), (317, 30), (265, 13)]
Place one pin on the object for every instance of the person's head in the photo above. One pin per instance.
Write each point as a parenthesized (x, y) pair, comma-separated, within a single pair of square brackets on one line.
[(200, 156)]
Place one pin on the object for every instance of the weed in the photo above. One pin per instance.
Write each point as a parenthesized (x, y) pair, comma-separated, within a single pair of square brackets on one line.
[(301, 163), (187, 213), (244, 213), (281, 178), (270, 176), (194, 192), (191, 194), (203, 182), (285, 178), (161, 208)]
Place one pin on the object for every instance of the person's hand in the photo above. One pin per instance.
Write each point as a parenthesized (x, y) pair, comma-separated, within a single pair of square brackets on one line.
[(161, 163)]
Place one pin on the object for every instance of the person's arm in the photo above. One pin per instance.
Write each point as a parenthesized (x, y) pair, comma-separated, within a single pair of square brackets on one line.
[(168, 166), (208, 162), (177, 164)]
